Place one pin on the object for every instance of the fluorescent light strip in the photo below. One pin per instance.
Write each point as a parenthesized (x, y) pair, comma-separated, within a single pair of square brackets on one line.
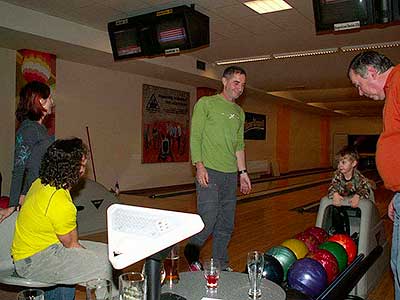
[(370, 46), (309, 53), (305, 53), (243, 60)]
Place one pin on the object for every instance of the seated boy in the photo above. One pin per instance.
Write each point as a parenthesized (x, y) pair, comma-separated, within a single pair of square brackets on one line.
[(347, 180)]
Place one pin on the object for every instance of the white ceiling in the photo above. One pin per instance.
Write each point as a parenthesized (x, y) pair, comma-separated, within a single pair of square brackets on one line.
[(236, 31)]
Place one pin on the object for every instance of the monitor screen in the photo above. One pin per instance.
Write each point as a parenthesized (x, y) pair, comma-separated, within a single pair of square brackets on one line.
[(127, 42), (342, 14), (171, 32)]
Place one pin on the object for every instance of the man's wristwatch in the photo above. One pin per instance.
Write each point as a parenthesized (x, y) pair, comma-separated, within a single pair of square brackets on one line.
[(242, 172)]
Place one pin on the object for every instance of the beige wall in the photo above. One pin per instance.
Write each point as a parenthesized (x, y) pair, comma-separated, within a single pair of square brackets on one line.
[(304, 140), (7, 119), (109, 104), (262, 149), (356, 125)]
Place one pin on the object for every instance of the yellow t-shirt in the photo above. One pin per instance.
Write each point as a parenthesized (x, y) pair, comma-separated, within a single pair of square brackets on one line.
[(46, 213)]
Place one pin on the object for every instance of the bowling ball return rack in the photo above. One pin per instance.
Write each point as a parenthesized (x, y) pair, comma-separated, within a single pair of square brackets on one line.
[(342, 286), (366, 226)]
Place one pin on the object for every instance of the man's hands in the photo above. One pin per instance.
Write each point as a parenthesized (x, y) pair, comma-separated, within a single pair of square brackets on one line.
[(201, 174), (391, 210), (245, 184), (6, 212)]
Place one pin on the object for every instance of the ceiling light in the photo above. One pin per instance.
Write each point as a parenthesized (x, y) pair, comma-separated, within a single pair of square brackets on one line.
[(267, 6), (370, 46), (305, 53), (243, 60)]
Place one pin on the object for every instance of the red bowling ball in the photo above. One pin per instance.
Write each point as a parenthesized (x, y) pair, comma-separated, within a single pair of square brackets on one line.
[(328, 261), (308, 239), (348, 244), (320, 234)]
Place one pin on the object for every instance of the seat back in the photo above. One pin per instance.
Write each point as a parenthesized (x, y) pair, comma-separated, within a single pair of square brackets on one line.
[(7, 234), (7, 274)]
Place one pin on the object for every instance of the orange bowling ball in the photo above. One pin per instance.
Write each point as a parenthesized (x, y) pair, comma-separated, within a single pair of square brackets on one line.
[(298, 247), (348, 244)]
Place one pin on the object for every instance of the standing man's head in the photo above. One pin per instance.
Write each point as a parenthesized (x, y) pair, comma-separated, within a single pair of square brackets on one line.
[(368, 72), (64, 163), (234, 81), (347, 159)]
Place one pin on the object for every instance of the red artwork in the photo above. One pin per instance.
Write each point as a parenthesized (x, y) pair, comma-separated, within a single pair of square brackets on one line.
[(165, 131)]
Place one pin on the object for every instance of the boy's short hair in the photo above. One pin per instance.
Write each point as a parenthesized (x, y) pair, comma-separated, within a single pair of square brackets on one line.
[(349, 151)]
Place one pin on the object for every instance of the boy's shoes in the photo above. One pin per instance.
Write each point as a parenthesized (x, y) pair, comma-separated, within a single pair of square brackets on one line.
[(228, 269)]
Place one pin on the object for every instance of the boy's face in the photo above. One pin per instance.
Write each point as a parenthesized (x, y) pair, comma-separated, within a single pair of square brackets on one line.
[(346, 165)]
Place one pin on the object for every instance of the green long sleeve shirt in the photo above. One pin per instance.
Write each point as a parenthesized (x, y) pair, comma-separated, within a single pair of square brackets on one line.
[(217, 133)]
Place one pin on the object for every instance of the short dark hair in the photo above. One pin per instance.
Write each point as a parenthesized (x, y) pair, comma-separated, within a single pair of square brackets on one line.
[(61, 164), (377, 60), (29, 106), (229, 71), (349, 151)]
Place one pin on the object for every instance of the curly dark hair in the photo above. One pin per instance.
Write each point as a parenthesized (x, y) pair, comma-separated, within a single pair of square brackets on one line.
[(61, 164), (29, 106)]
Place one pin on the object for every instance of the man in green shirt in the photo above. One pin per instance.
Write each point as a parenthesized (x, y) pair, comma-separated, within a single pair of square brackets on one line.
[(217, 150)]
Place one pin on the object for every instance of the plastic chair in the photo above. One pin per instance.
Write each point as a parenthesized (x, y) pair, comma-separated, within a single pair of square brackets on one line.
[(7, 273)]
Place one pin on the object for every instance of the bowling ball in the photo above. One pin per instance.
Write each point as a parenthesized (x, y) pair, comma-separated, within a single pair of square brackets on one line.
[(318, 232), (272, 269), (307, 276), (338, 251), (348, 244), (308, 239), (298, 247), (285, 256), (328, 261)]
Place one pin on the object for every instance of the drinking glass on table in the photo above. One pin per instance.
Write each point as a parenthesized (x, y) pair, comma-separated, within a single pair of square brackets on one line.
[(255, 266), (31, 294), (212, 269), (98, 289), (171, 263), (132, 286)]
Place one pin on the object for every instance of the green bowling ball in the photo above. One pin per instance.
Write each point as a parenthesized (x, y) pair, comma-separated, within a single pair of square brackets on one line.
[(338, 251), (284, 255)]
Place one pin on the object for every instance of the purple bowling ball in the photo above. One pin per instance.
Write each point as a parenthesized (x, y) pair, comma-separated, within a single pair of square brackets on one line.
[(308, 276)]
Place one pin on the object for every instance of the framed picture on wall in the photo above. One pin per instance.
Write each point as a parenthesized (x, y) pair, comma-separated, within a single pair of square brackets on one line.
[(255, 126), (165, 125)]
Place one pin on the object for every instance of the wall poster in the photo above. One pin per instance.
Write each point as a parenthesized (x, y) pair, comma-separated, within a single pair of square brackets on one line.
[(165, 125), (254, 126), (39, 66)]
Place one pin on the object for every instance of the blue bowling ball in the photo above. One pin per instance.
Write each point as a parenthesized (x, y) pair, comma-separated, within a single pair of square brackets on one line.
[(308, 276), (272, 269)]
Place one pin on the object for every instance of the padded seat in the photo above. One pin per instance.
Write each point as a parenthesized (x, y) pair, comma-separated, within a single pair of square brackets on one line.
[(7, 272)]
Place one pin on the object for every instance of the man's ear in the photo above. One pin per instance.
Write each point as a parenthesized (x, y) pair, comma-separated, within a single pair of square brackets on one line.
[(372, 72), (224, 81)]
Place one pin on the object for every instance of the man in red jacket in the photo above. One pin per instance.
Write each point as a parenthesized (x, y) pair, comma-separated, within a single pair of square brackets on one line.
[(375, 77)]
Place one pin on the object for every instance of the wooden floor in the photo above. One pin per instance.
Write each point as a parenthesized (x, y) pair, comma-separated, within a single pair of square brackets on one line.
[(260, 224)]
